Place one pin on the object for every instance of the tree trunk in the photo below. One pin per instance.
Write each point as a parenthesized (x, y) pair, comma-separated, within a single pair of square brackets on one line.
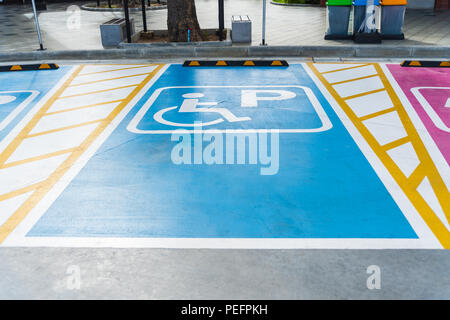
[(181, 17)]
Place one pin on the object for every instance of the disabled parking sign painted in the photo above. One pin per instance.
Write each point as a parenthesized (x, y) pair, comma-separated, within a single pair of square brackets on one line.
[(285, 108), (324, 187)]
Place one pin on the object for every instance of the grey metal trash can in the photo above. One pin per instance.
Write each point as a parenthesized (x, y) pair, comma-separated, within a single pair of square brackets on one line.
[(114, 31), (338, 22), (241, 27), (392, 18)]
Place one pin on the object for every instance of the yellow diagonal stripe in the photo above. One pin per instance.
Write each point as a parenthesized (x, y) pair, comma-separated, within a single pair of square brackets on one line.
[(345, 68)]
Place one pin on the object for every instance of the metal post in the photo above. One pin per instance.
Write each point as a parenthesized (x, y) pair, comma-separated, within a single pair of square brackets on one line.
[(221, 20), (38, 29), (144, 16), (98, 3), (127, 20), (264, 24), (109, 4)]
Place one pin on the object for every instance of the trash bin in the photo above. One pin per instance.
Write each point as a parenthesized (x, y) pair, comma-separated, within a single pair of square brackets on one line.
[(114, 31), (241, 29), (338, 18), (392, 17), (359, 13)]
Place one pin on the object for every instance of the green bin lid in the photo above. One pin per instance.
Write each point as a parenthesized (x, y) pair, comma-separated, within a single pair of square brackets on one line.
[(339, 3)]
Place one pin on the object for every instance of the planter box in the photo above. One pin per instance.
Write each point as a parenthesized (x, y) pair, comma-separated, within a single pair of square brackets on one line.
[(114, 32)]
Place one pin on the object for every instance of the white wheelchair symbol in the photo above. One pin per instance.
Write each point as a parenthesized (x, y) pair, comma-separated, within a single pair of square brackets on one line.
[(434, 116), (190, 105), (251, 97)]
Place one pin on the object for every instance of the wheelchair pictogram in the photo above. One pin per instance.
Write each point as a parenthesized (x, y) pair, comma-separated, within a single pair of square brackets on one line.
[(288, 108), (191, 104)]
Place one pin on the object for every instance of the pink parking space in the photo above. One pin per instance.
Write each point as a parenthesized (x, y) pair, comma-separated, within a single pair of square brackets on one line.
[(428, 90)]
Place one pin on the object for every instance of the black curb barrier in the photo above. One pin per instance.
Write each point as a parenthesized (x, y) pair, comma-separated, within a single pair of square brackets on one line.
[(426, 64), (29, 67), (235, 63)]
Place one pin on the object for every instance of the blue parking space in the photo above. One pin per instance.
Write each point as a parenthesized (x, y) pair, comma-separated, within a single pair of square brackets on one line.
[(15, 101), (151, 180)]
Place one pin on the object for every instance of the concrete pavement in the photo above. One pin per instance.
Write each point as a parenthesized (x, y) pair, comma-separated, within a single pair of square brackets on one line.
[(44, 273), (67, 28)]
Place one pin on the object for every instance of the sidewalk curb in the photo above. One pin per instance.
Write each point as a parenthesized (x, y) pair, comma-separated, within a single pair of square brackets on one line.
[(366, 51)]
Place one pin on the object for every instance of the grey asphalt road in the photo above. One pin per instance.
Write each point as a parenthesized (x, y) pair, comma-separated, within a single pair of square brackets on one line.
[(49, 273)]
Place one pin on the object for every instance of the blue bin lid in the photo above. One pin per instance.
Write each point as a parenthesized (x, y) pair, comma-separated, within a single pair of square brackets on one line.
[(364, 2)]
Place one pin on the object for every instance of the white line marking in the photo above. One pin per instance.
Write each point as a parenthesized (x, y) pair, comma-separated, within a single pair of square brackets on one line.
[(350, 74), (19, 108), (325, 67), (51, 142), (104, 68), (18, 177), (221, 243), (405, 157), (103, 85), (74, 117), (371, 103), (9, 206), (111, 74), (386, 128), (429, 109), (348, 89), (426, 191)]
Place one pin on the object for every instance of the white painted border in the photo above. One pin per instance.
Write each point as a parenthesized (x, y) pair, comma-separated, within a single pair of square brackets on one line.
[(12, 115), (326, 123), (221, 243), (428, 108), (18, 237)]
